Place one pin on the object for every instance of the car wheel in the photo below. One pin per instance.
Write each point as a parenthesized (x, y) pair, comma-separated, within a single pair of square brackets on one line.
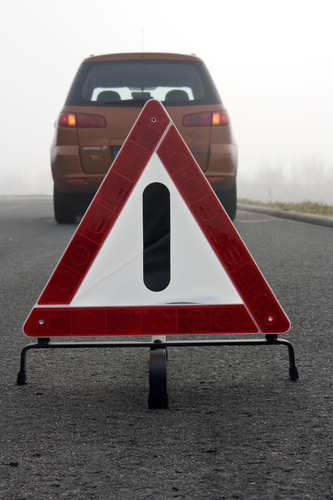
[(229, 201), (64, 207)]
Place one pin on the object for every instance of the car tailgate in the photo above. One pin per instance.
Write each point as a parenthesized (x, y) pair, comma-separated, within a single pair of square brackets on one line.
[(99, 146)]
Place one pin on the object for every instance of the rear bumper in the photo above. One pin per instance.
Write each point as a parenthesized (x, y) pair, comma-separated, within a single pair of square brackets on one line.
[(68, 176)]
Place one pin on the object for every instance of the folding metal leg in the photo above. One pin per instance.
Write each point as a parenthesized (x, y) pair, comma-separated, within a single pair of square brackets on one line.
[(158, 395)]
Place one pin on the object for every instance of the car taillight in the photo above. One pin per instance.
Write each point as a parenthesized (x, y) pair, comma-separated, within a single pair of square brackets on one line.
[(207, 119), (81, 120)]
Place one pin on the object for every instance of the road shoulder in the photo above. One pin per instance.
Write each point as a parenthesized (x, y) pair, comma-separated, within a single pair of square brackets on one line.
[(318, 220)]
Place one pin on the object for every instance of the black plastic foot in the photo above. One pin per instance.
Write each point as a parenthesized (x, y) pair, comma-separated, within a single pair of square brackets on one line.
[(158, 396), (158, 401), (21, 378), (293, 373)]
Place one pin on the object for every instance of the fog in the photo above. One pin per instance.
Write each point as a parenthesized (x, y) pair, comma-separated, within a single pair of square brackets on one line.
[(271, 61)]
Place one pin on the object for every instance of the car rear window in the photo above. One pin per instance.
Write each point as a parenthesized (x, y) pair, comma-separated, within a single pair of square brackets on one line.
[(126, 83)]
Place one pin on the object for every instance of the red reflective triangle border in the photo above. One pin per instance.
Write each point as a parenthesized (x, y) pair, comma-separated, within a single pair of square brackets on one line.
[(154, 132)]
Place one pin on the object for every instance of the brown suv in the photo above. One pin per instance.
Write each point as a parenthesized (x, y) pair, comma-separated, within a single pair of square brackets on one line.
[(103, 103)]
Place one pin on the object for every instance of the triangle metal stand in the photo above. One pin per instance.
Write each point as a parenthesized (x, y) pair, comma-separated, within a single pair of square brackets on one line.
[(158, 396)]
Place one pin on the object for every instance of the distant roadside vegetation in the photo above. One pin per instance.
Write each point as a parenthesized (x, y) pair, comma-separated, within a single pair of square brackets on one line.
[(306, 207)]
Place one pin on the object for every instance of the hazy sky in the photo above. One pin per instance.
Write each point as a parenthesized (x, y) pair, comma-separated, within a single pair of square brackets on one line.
[(272, 61)]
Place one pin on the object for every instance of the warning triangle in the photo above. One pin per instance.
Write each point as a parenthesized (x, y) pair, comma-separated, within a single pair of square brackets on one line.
[(196, 276)]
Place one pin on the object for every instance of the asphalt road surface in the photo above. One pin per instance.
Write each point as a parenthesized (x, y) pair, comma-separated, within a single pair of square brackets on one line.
[(236, 426)]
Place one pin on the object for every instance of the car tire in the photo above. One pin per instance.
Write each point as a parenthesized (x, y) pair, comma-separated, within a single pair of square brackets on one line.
[(229, 201), (64, 207)]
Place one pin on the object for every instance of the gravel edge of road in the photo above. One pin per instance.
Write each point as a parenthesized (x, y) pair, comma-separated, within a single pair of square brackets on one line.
[(318, 220)]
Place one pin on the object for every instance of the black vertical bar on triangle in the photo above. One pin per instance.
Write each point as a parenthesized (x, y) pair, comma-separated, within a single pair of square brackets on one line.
[(156, 236)]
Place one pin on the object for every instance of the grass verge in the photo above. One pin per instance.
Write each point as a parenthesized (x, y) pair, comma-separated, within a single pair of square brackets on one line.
[(306, 207)]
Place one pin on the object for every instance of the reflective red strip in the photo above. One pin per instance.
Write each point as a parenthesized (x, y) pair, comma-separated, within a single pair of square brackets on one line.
[(148, 320)]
